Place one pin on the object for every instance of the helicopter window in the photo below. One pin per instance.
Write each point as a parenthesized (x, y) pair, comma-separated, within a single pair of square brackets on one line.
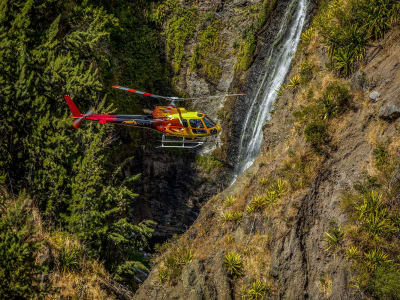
[(185, 123), (196, 123), (208, 122), (199, 131)]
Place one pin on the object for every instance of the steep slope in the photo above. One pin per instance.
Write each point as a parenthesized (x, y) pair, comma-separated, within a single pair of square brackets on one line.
[(267, 233)]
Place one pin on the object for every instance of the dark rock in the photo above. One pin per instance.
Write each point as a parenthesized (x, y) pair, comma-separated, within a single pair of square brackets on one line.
[(389, 112)]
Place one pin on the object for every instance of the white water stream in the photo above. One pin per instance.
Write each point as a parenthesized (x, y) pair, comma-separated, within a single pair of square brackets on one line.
[(276, 68)]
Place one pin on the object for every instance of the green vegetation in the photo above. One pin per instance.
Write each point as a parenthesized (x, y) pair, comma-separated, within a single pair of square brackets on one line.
[(316, 134), (180, 26), (208, 162), (235, 216), (249, 37), (174, 262), (20, 269), (297, 170), (335, 100), (373, 229), (233, 263), (257, 291), (380, 155), (47, 49), (294, 82), (207, 51), (275, 190), (347, 26), (333, 238), (229, 200)]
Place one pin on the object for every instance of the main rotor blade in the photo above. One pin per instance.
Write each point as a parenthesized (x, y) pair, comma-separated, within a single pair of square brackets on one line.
[(172, 98), (216, 96), (143, 93)]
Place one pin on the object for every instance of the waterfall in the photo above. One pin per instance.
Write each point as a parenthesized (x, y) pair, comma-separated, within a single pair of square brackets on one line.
[(276, 68)]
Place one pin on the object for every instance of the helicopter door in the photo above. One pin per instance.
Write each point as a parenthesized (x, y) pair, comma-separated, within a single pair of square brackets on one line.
[(197, 127)]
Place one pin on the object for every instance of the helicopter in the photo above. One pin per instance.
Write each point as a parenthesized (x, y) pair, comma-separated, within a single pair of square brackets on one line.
[(184, 126)]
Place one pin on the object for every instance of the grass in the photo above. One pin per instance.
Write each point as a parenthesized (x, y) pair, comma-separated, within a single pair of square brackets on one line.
[(233, 264)]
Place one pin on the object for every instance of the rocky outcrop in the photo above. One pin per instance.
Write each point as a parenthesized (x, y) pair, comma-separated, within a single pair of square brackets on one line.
[(389, 111)]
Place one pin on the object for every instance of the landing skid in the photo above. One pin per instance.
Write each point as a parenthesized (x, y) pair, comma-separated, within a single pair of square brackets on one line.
[(179, 143)]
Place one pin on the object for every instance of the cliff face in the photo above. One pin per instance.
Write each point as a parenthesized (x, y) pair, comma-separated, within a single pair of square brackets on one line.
[(210, 45), (267, 232)]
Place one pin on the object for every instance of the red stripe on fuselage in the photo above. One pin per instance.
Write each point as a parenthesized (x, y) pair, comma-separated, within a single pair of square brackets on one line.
[(102, 117), (148, 94), (132, 90)]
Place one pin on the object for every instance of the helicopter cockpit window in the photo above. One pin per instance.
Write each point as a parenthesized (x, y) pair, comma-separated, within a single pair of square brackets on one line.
[(185, 123), (209, 123), (196, 123)]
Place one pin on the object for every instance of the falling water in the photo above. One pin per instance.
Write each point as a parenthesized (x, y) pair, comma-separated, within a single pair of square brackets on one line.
[(276, 69)]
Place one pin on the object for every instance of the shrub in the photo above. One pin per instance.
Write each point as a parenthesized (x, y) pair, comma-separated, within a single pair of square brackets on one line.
[(352, 253), (317, 135), (346, 27), (385, 283), (233, 264), (335, 99), (280, 91), (208, 162)]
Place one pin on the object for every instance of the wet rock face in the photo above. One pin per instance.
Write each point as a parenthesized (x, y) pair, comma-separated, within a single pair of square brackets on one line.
[(172, 189)]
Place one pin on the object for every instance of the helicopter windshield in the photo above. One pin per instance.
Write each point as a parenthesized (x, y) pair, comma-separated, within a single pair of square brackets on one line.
[(209, 123), (196, 123)]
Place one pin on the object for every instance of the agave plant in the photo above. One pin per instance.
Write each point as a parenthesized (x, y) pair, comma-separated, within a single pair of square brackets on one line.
[(352, 253), (344, 60), (333, 237), (258, 290), (233, 264), (229, 200), (235, 216), (371, 203), (294, 82), (375, 258)]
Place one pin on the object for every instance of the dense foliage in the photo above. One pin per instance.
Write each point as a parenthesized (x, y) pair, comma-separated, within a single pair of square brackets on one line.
[(20, 274), (49, 48), (348, 26)]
